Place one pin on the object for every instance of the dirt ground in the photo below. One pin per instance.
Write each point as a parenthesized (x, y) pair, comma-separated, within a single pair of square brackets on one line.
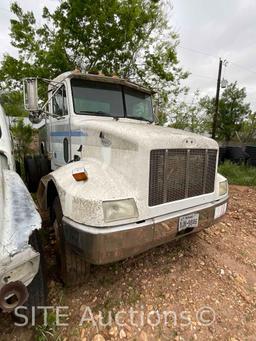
[(202, 287)]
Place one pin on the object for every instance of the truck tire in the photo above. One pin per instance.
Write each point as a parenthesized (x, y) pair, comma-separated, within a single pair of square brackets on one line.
[(222, 154), (73, 269), (35, 168), (42, 165), (236, 155), (18, 167), (31, 173), (251, 151), (37, 289)]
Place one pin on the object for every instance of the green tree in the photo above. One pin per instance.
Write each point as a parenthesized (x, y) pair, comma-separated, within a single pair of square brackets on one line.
[(248, 129), (131, 38), (23, 136), (12, 102), (187, 116), (233, 111)]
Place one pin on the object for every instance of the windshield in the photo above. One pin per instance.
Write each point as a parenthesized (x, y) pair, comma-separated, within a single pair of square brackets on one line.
[(113, 100), (97, 98), (138, 105)]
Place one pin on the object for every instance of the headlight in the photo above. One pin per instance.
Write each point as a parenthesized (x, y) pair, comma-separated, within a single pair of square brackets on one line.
[(223, 187), (119, 210)]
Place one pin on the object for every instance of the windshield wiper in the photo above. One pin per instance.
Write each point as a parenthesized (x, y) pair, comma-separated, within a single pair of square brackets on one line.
[(140, 119), (102, 113)]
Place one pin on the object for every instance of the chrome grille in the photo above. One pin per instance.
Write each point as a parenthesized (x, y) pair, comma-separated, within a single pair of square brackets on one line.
[(176, 174)]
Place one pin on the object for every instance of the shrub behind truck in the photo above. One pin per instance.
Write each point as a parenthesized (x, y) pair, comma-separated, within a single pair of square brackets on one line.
[(119, 184)]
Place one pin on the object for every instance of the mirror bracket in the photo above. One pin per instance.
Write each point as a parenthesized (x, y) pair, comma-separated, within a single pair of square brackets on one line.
[(30, 93)]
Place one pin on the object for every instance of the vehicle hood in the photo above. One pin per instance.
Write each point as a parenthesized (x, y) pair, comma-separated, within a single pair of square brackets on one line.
[(18, 215), (126, 133), (116, 156)]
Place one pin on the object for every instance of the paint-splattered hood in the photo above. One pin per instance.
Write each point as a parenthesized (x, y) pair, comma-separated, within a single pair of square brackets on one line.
[(18, 215), (116, 156), (136, 134)]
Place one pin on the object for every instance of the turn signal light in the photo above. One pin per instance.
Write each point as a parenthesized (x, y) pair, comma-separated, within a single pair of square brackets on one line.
[(80, 174)]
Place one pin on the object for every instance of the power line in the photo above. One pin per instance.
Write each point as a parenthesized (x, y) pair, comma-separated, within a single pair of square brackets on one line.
[(197, 51), (242, 67), (210, 55), (202, 76)]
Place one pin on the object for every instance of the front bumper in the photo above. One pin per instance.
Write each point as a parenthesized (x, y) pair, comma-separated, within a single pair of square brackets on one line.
[(22, 267), (16, 273), (107, 245)]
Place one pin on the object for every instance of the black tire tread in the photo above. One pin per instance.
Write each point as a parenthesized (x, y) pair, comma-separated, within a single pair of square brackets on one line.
[(32, 174), (74, 269), (38, 287)]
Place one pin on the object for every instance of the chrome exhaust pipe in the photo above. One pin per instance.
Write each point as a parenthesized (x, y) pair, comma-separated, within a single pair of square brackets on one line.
[(13, 295)]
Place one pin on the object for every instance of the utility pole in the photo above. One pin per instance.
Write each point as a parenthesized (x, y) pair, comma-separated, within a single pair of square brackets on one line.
[(215, 116)]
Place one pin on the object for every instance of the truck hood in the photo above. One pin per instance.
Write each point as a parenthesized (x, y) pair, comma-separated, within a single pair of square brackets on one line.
[(126, 133), (18, 215), (116, 156)]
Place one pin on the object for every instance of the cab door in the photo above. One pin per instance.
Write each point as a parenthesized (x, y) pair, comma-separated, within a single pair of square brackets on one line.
[(60, 129)]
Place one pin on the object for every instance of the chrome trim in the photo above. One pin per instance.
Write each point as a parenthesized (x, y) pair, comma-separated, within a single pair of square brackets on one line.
[(187, 173), (99, 245), (205, 169), (177, 174)]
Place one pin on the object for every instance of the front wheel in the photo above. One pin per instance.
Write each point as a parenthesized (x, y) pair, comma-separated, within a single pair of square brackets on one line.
[(73, 269)]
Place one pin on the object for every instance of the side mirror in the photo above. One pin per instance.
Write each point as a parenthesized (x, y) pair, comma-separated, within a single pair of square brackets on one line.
[(35, 117), (30, 94)]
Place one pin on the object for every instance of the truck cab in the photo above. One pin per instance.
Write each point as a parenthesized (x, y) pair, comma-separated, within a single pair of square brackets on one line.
[(141, 184), (86, 98)]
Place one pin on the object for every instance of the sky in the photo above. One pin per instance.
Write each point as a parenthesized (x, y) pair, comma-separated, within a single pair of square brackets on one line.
[(208, 30)]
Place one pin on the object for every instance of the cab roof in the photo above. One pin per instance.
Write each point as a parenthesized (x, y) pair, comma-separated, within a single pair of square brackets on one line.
[(103, 79)]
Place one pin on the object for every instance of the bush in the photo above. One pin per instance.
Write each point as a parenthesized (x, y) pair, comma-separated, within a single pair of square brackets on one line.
[(23, 136), (238, 174)]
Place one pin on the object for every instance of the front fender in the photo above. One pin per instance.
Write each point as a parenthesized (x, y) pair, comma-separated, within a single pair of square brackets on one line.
[(82, 200)]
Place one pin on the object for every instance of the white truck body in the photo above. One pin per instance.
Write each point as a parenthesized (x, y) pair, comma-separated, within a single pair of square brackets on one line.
[(170, 175), (19, 262)]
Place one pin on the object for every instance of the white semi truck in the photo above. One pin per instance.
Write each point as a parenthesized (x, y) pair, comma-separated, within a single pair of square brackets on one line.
[(119, 184), (22, 281)]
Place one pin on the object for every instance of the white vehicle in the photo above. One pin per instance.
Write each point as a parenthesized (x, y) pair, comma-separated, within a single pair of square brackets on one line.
[(21, 277), (141, 185)]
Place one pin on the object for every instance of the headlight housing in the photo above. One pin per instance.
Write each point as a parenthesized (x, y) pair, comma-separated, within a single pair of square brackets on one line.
[(119, 210), (223, 187)]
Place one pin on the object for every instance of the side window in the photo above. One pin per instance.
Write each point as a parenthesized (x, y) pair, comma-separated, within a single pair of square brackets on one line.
[(59, 102)]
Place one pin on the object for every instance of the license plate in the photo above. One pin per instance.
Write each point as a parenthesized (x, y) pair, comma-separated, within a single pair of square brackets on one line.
[(188, 221)]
